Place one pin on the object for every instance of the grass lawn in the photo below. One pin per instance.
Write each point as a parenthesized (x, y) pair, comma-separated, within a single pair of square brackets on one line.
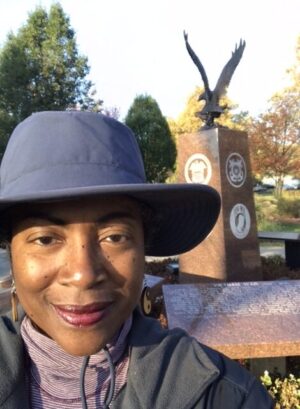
[(278, 226), (271, 243), (268, 216)]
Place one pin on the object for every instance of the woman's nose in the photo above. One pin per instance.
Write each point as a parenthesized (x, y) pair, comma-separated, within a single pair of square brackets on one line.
[(84, 266)]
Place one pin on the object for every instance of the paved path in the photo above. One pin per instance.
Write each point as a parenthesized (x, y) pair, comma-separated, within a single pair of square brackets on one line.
[(268, 251), (4, 263)]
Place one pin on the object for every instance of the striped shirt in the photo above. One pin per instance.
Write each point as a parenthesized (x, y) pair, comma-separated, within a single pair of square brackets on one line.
[(54, 375)]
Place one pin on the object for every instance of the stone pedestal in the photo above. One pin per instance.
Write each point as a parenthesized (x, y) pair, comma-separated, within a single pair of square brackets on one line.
[(219, 157)]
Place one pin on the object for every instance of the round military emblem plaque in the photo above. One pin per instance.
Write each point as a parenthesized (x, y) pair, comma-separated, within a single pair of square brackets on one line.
[(240, 221), (197, 169), (236, 171)]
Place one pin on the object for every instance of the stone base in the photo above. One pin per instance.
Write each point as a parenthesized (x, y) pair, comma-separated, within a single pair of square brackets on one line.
[(219, 157)]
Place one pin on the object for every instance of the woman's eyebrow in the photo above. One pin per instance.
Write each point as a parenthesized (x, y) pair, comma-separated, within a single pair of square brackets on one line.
[(46, 217), (115, 215), (38, 215)]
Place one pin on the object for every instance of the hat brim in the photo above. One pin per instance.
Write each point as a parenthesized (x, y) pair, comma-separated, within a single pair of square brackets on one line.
[(187, 212)]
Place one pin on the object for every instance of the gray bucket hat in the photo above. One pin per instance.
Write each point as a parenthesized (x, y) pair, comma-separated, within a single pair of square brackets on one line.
[(64, 155)]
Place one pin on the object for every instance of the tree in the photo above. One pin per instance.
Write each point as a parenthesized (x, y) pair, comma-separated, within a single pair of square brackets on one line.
[(111, 111), (294, 71), (188, 121), (41, 69), (275, 135), (274, 142), (153, 136)]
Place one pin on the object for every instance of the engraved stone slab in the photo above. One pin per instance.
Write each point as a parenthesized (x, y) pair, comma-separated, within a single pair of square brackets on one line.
[(241, 320)]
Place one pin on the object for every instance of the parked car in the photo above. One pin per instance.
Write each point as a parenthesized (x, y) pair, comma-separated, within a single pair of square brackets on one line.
[(290, 187), (260, 188)]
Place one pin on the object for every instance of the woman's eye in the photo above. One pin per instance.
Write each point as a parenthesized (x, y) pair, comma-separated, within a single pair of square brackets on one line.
[(45, 240), (116, 238)]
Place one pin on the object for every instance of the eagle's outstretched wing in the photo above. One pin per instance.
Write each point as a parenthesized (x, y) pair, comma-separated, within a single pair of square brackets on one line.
[(229, 69), (197, 62)]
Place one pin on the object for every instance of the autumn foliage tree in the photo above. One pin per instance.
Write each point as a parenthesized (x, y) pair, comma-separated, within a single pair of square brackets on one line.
[(274, 145), (275, 135)]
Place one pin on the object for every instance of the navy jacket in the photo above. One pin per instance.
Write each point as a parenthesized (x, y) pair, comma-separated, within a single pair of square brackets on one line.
[(168, 369)]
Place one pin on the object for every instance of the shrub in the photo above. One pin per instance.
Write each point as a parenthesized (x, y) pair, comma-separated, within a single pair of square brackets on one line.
[(274, 268), (286, 392), (266, 210), (289, 207)]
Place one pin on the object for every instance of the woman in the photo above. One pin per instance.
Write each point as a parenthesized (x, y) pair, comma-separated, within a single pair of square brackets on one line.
[(77, 220)]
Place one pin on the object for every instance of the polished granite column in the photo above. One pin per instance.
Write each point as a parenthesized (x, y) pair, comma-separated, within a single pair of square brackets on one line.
[(219, 157)]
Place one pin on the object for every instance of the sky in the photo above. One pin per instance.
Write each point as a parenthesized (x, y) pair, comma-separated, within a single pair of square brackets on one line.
[(136, 47)]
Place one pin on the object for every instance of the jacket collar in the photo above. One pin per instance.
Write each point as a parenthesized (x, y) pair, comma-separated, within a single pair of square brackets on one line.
[(162, 362), (12, 385)]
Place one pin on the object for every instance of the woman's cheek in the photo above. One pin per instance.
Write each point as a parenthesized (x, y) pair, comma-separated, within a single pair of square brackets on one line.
[(33, 275)]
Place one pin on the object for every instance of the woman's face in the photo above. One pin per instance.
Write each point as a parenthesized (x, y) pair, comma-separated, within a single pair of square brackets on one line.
[(78, 268)]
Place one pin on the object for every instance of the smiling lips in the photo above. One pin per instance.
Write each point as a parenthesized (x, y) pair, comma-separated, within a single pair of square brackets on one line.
[(83, 315)]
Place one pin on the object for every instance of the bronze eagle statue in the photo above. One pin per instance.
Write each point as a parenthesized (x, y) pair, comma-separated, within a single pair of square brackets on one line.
[(212, 108)]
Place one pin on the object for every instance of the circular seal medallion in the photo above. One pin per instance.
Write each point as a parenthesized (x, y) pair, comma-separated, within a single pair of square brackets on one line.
[(236, 171), (197, 169), (240, 221)]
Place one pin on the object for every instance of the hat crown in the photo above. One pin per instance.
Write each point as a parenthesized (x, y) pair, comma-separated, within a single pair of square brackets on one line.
[(62, 150)]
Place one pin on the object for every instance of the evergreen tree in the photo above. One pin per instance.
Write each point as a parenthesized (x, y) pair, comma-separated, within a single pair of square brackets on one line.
[(41, 69), (153, 136)]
